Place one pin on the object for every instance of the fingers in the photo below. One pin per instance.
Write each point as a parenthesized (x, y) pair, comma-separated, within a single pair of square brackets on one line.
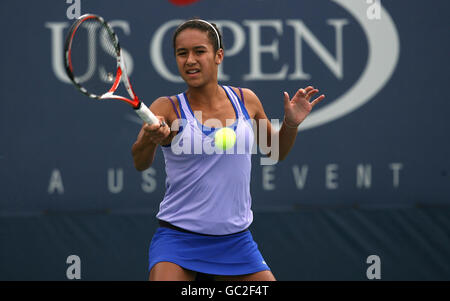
[(286, 98), (307, 93), (309, 88), (304, 92), (311, 93), (317, 100), (151, 127), (300, 93), (157, 132)]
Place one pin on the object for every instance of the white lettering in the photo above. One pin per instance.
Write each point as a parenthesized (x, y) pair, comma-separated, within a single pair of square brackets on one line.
[(374, 270), (148, 180), (115, 180), (300, 175), (181, 144), (57, 30), (256, 50), (156, 52), (73, 11), (268, 177), (269, 146), (336, 65), (92, 51), (331, 176), (56, 183), (198, 291), (125, 26), (56, 53), (74, 270), (396, 167), (363, 176), (239, 42), (374, 10)]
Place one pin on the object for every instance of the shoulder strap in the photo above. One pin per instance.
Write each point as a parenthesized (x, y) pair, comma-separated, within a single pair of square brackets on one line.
[(242, 95), (234, 99), (184, 109), (174, 106), (242, 111)]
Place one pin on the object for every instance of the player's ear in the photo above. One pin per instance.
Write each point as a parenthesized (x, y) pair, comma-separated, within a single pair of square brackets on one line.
[(219, 56)]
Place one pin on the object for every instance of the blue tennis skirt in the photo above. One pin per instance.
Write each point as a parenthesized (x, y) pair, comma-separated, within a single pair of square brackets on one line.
[(234, 254)]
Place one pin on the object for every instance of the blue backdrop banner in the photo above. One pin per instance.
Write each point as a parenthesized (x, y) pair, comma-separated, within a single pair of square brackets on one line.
[(370, 158)]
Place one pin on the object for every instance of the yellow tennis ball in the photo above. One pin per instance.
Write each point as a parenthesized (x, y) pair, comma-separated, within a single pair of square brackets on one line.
[(225, 138)]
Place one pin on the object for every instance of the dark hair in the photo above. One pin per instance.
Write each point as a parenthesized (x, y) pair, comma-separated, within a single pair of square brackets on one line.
[(202, 26)]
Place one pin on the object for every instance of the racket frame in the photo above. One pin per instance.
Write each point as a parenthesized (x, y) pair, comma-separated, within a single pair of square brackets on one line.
[(121, 73)]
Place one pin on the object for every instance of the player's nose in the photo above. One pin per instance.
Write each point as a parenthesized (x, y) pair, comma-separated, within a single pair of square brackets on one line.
[(191, 60)]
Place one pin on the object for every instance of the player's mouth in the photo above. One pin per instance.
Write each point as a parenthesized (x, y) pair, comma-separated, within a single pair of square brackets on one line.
[(192, 72)]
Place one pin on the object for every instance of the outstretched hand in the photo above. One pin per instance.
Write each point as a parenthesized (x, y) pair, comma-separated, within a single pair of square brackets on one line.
[(298, 108)]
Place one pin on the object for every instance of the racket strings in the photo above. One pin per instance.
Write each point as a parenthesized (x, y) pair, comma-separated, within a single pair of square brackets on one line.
[(93, 57)]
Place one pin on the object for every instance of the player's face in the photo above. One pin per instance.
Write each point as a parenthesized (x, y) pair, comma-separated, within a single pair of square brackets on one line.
[(196, 59)]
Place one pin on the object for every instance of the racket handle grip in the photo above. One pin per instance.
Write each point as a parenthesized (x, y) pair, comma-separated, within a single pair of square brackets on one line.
[(146, 115)]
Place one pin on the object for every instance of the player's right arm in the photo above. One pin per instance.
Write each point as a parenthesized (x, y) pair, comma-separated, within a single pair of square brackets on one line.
[(144, 149)]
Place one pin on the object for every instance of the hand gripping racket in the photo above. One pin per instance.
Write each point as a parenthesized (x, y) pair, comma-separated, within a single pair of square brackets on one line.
[(94, 62)]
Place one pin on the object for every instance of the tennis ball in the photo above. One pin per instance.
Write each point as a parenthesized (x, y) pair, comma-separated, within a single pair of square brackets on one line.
[(225, 138)]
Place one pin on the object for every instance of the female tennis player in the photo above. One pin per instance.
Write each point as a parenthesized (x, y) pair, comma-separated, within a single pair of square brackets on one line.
[(206, 211)]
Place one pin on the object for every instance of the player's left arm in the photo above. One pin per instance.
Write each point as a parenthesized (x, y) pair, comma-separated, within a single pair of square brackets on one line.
[(296, 110)]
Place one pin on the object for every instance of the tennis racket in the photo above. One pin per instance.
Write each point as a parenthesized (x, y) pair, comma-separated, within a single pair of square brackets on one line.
[(94, 63)]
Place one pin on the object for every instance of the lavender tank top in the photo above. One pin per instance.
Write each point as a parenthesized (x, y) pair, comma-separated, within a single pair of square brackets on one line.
[(207, 190)]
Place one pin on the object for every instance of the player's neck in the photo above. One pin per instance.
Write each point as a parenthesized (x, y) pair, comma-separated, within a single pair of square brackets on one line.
[(205, 95)]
